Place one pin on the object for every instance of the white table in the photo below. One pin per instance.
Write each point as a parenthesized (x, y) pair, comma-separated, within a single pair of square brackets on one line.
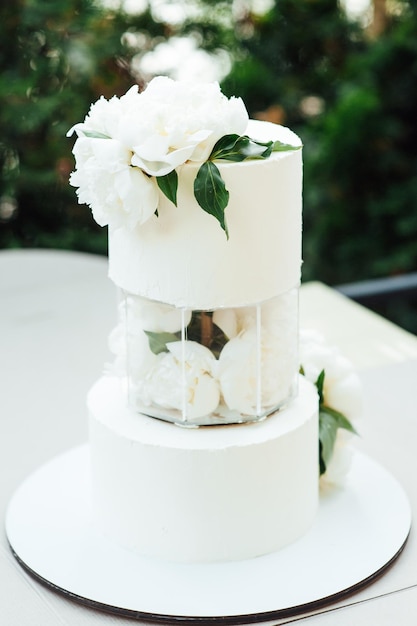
[(56, 311)]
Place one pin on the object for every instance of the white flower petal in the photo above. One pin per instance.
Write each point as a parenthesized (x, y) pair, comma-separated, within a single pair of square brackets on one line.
[(165, 164), (204, 397), (345, 396), (157, 317), (172, 384)]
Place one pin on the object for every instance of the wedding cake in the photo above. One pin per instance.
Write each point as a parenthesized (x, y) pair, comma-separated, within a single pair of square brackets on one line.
[(203, 435)]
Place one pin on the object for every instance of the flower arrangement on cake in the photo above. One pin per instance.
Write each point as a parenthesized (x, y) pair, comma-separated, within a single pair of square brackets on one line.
[(133, 154), (149, 165), (340, 403), (149, 135)]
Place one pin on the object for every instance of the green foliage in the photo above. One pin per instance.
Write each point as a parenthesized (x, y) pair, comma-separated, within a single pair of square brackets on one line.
[(351, 98), (158, 342), (214, 340), (209, 188), (361, 182), (296, 50), (211, 193), (330, 421), (56, 58), (168, 184)]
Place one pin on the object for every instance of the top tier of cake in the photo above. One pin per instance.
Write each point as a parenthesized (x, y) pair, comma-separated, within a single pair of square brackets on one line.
[(182, 257)]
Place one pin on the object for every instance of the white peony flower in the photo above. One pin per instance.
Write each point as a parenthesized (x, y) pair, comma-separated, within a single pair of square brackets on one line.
[(342, 388), (104, 115), (182, 379), (117, 193), (179, 121), (238, 374), (257, 367), (342, 391), (125, 142)]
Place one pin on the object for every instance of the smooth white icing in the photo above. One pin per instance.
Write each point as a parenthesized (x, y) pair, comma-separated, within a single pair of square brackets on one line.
[(182, 257), (207, 494)]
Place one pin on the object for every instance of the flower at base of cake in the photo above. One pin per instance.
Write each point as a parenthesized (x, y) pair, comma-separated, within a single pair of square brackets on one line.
[(340, 392), (124, 143), (342, 388), (341, 461), (183, 379)]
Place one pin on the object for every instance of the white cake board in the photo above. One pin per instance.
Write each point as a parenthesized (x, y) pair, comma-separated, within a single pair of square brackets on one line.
[(359, 531)]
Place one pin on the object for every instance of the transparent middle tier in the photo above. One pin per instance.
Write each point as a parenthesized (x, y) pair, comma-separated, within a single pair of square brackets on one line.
[(195, 368)]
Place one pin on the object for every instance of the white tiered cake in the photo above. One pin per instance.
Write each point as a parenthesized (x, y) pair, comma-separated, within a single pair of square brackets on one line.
[(208, 328)]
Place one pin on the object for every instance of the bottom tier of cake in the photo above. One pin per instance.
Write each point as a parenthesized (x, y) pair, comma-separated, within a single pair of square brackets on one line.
[(216, 493)]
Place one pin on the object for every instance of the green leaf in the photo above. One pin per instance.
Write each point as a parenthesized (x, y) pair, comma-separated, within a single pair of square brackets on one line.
[(319, 384), (279, 146), (327, 437), (340, 420), (322, 464), (211, 193), (236, 148), (225, 148), (329, 423), (158, 341), (95, 134), (257, 149), (168, 184)]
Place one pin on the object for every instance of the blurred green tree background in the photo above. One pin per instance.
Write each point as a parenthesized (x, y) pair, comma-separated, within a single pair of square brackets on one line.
[(347, 86)]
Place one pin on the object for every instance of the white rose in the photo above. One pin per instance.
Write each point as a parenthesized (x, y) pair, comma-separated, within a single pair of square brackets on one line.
[(190, 386)]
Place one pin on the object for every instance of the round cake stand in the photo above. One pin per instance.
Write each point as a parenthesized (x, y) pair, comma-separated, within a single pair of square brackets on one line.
[(359, 531)]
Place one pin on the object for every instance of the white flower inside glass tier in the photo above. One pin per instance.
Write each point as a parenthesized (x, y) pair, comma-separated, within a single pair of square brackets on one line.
[(229, 365)]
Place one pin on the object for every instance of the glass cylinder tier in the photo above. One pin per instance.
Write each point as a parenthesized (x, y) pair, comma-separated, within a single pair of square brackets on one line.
[(224, 366)]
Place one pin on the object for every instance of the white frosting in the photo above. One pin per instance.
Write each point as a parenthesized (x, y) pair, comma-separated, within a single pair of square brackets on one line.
[(208, 494), (182, 257)]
